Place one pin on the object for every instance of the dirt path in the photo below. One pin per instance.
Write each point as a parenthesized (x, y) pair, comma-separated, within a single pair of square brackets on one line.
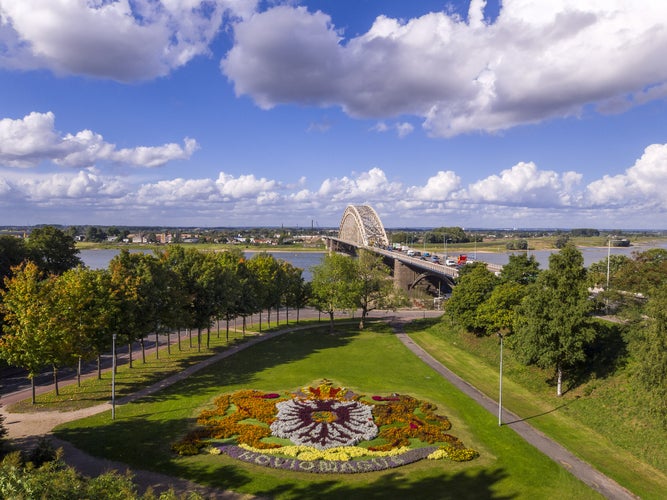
[(580, 469)]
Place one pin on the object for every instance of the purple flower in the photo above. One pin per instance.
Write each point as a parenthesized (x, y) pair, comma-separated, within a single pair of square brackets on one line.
[(324, 423)]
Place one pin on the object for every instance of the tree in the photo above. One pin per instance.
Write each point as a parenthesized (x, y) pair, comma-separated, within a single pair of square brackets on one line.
[(94, 233), (498, 313), (86, 309), (32, 332), (474, 287), (552, 328), (520, 269), (13, 252), (293, 289), (334, 285), (126, 292), (646, 271), (52, 250), (375, 285), (648, 349), (267, 272)]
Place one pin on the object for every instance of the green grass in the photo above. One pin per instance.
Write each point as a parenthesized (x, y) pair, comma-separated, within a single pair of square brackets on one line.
[(368, 362), (94, 391), (598, 420)]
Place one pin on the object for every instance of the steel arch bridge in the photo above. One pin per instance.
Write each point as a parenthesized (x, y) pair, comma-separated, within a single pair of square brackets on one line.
[(361, 225)]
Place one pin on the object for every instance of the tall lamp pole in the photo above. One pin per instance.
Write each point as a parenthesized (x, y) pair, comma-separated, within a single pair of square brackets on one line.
[(113, 377), (500, 386)]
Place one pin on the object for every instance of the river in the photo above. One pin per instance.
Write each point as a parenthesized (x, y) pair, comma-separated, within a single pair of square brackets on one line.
[(99, 259)]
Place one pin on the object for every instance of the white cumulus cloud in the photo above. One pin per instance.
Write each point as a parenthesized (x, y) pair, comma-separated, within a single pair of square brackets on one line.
[(537, 60), (121, 40), (525, 185), (33, 139)]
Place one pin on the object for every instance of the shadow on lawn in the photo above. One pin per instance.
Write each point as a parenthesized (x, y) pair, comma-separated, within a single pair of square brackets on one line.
[(461, 485), (239, 368)]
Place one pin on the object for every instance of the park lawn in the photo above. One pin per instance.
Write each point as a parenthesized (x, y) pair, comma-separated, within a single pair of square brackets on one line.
[(94, 391), (368, 362), (587, 424)]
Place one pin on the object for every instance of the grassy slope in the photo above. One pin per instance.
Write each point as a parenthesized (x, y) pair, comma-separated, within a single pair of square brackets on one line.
[(368, 362), (600, 421)]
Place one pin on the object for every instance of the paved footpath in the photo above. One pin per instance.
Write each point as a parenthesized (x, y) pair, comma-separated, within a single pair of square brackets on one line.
[(580, 469)]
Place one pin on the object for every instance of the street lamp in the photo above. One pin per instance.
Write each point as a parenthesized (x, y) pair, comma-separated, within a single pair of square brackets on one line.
[(113, 377), (500, 386)]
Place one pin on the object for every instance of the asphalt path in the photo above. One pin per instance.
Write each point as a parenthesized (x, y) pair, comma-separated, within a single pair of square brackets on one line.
[(580, 469)]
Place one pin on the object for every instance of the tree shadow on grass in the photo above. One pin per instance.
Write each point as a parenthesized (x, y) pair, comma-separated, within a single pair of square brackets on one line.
[(476, 485), (240, 368)]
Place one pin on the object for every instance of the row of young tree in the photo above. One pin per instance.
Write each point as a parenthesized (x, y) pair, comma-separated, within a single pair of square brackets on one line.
[(57, 313), (547, 318), (56, 320)]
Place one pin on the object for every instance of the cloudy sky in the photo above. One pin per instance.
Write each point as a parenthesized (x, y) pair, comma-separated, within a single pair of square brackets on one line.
[(465, 113)]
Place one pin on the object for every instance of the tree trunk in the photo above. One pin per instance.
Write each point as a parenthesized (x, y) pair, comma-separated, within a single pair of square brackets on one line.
[(243, 326), (559, 383), (143, 350), (208, 337), (169, 342), (78, 373), (32, 386), (287, 315), (157, 346), (227, 330), (364, 313), (331, 321), (55, 379), (99, 367), (190, 336), (179, 339), (129, 353), (198, 339), (260, 321)]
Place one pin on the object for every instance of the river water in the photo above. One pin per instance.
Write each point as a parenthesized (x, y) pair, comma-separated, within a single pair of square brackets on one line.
[(99, 259)]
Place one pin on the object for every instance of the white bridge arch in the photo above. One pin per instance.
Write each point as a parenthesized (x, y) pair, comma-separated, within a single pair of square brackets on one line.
[(361, 225)]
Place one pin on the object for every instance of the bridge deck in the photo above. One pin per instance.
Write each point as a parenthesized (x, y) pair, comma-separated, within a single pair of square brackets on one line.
[(417, 262)]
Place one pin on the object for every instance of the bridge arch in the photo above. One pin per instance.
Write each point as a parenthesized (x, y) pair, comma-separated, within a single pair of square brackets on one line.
[(360, 224)]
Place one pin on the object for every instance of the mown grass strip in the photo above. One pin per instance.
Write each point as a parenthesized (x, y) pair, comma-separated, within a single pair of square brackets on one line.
[(476, 361)]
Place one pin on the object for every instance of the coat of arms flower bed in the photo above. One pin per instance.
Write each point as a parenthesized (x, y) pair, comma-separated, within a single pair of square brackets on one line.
[(324, 429)]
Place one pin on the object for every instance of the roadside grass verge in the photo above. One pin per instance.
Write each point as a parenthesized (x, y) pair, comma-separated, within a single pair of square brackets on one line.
[(372, 361), (599, 419)]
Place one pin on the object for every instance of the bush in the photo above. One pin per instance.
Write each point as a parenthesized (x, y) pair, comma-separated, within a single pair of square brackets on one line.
[(43, 452)]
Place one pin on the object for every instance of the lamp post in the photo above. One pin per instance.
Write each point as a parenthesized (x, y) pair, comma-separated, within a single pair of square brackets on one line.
[(500, 386), (113, 377)]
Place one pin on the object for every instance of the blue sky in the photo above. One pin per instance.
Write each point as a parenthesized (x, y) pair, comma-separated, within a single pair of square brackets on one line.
[(246, 113)]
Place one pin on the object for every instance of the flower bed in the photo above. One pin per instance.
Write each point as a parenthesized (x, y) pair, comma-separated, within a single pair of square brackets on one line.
[(330, 430)]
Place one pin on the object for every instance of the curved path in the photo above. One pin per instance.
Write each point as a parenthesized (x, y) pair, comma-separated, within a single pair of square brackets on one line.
[(580, 469), (25, 428)]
